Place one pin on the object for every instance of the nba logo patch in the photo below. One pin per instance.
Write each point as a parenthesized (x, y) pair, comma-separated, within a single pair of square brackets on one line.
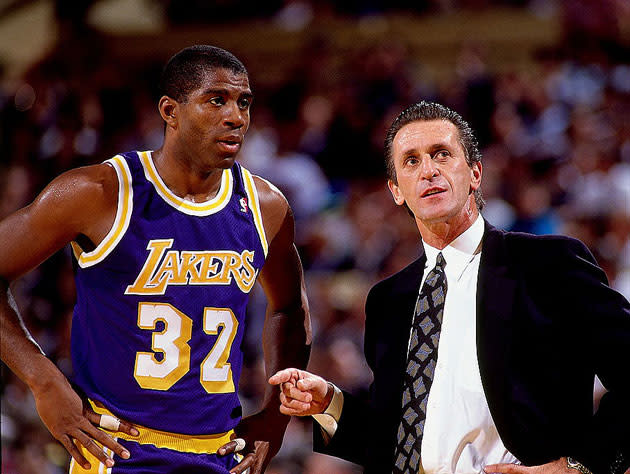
[(243, 202)]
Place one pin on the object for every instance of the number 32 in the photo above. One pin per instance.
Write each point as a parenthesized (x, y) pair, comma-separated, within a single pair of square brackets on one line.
[(172, 342)]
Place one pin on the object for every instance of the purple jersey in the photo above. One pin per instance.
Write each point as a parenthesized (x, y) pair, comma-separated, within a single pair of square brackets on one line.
[(160, 310)]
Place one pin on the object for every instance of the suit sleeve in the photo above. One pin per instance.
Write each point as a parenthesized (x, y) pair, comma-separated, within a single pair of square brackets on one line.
[(350, 440), (602, 324)]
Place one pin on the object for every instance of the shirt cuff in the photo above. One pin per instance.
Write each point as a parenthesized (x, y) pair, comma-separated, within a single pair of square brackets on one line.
[(330, 417)]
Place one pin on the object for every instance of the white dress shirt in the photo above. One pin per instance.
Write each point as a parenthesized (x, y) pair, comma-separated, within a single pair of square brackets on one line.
[(459, 433)]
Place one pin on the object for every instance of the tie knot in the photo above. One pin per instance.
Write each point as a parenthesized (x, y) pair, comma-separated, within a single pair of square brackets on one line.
[(440, 262)]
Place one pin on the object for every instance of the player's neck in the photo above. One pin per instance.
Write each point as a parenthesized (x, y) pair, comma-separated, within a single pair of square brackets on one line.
[(184, 179)]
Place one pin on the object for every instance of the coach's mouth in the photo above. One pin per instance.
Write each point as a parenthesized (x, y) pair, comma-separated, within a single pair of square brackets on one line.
[(432, 191)]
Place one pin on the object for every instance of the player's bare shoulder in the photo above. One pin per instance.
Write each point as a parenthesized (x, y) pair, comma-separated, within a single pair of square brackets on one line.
[(78, 204), (274, 207), (99, 180), (85, 198)]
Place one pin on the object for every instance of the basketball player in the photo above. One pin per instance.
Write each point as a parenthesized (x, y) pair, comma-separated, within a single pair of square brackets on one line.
[(168, 245)]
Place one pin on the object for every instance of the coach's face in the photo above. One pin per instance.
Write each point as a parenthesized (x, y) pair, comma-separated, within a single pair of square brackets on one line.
[(211, 122), (433, 177)]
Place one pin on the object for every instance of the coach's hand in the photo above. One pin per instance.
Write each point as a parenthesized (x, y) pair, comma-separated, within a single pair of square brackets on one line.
[(262, 433), (302, 393), (556, 467), (72, 421)]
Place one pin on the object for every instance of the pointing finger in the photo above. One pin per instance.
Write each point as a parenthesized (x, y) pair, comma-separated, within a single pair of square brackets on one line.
[(283, 376)]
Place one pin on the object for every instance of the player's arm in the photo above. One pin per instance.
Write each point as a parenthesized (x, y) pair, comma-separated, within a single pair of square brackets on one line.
[(287, 329), (78, 205)]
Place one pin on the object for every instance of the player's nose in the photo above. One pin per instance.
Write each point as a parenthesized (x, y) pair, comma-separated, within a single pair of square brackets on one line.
[(235, 116)]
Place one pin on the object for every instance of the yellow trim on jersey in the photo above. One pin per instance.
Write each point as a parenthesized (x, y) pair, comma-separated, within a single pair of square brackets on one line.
[(254, 204), (121, 222), (76, 250), (204, 444), (193, 208)]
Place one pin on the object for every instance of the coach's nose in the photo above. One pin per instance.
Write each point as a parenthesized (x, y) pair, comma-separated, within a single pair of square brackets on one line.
[(428, 168)]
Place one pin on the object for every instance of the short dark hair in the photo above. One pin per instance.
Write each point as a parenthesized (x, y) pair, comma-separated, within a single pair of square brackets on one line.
[(425, 111), (185, 71)]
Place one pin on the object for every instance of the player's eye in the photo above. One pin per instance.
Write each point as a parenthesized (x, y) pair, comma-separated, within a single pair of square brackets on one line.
[(245, 103), (217, 100)]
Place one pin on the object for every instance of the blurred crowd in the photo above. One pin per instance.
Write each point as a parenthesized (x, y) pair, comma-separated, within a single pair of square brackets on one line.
[(555, 140)]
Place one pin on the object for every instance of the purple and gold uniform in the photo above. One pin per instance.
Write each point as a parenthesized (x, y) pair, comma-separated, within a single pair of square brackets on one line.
[(160, 316)]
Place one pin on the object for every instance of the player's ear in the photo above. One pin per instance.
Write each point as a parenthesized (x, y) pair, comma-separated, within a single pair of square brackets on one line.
[(168, 108), (396, 193)]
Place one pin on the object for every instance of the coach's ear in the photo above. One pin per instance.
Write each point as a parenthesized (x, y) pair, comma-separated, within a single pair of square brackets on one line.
[(396, 193), (168, 108), (476, 171)]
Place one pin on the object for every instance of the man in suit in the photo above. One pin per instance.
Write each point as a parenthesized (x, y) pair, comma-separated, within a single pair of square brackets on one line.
[(523, 324)]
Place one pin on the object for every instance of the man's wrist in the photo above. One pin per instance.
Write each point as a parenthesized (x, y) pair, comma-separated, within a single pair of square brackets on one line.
[(42, 374), (330, 392), (329, 418), (334, 403)]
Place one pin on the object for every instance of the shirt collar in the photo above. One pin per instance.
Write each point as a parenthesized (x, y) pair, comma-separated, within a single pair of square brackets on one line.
[(459, 253)]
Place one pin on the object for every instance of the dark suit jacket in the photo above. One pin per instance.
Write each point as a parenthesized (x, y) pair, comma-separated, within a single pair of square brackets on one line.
[(547, 322)]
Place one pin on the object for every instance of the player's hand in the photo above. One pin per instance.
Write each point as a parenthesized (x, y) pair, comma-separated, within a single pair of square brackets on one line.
[(72, 422), (302, 393), (555, 467), (262, 433)]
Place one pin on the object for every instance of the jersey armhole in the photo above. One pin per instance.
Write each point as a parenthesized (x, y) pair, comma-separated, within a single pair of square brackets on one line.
[(121, 222), (252, 196)]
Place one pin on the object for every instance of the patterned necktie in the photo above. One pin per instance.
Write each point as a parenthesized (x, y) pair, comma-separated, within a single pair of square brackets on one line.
[(421, 360)]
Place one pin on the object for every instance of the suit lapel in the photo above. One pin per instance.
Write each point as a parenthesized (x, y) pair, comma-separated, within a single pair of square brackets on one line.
[(495, 298), (388, 327), (407, 286)]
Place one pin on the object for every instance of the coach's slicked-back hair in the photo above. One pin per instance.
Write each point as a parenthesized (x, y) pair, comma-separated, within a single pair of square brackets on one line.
[(184, 72), (425, 111)]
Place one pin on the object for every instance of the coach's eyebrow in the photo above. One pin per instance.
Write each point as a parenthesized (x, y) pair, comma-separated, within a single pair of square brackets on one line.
[(414, 150), (439, 146)]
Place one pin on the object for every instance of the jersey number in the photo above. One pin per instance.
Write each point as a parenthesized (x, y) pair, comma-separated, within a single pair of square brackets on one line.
[(172, 343)]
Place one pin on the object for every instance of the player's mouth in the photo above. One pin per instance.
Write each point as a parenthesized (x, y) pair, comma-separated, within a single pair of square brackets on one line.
[(432, 192), (230, 144)]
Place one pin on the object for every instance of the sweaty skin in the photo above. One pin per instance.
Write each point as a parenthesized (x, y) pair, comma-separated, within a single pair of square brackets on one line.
[(203, 136)]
